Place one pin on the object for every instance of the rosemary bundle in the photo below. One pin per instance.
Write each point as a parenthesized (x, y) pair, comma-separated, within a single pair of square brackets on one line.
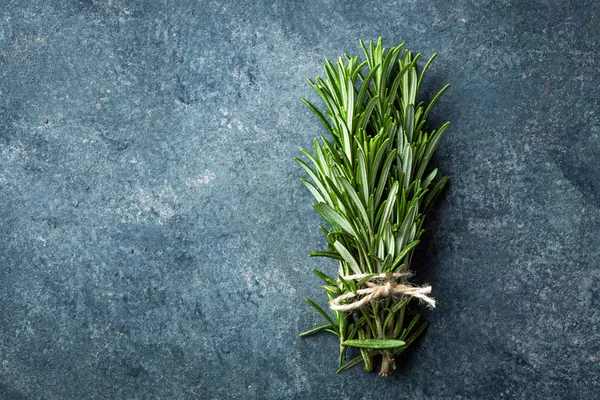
[(373, 188)]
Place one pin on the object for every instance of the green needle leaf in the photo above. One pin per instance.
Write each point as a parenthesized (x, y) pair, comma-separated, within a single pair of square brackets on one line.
[(334, 218), (347, 256), (325, 277), (374, 343), (320, 311), (329, 254), (319, 114), (350, 364), (315, 330)]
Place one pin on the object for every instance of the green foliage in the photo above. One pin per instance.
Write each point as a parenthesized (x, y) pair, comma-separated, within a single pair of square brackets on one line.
[(375, 343), (372, 185)]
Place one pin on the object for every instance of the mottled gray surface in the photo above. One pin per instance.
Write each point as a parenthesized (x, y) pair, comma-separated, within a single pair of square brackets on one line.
[(153, 232)]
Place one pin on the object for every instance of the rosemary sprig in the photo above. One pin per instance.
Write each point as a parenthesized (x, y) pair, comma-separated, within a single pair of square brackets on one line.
[(373, 188)]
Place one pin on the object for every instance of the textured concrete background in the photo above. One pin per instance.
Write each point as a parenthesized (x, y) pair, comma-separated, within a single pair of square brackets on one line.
[(153, 232)]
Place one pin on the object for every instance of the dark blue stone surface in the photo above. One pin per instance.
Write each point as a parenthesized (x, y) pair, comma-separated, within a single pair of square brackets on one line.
[(154, 235)]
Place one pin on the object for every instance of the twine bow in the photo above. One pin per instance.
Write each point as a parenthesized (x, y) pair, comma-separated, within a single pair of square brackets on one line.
[(375, 290)]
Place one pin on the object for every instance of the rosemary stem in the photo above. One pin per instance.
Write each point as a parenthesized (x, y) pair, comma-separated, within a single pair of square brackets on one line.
[(368, 180)]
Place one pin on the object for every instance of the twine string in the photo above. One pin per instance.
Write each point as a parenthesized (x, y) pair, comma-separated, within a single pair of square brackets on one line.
[(375, 290)]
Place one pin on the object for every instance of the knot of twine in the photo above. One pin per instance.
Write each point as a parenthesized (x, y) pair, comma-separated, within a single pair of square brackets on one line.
[(375, 290)]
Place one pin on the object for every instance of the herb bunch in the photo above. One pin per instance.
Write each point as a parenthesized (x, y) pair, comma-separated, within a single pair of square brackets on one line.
[(373, 187)]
